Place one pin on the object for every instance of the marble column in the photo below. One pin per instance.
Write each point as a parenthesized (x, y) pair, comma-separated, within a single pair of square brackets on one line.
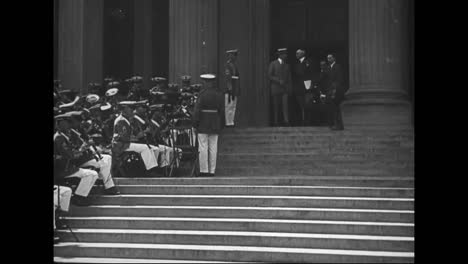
[(379, 66), (142, 41), (193, 38), (80, 25)]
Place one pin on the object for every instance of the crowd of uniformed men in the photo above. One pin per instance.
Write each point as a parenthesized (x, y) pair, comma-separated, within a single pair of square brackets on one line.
[(95, 131)]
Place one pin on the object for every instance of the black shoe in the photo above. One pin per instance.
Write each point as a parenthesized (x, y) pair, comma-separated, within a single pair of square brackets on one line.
[(80, 200), (60, 224), (210, 174), (112, 191), (203, 174)]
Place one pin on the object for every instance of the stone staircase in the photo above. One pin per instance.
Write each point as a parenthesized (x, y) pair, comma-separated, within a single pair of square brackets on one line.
[(247, 215)]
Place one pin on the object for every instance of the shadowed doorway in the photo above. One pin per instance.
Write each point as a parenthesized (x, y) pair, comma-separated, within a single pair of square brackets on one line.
[(320, 27)]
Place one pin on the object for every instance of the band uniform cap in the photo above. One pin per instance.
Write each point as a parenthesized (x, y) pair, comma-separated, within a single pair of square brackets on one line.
[(282, 50), (233, 51), (114, 83), (158, 79), (208, 76), (71, 104), (173, 85), (106, 107), (136, 78), (112, 92), (143, 102), (65, 116), (186, 78), (92, 98)]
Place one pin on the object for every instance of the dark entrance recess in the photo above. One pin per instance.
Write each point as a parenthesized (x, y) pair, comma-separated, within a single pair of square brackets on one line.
[(56, 13), (160, 35), (118, 39), (320, 27)]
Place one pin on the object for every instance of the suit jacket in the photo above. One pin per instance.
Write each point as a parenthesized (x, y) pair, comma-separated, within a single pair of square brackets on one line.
[(336, 81), (209, 112), (279, 72), (232, 81), (303, 71)]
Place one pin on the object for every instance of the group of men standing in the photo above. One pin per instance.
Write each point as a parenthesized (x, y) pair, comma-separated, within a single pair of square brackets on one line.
[(303, 81)]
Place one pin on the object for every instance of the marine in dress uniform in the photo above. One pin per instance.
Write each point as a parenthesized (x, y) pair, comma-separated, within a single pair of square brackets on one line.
[(207, 118), (280, 85), (65, 156), (232, 86), (121, 140)]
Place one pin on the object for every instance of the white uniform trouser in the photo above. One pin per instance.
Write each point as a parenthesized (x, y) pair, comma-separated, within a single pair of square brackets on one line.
[(88, 178), (208, 145), (65, 195), (230, 109), (104, 166), (166, 154), (149, 156)]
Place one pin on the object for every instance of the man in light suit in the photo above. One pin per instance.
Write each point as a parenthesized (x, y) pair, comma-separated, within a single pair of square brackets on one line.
[(280, 84)]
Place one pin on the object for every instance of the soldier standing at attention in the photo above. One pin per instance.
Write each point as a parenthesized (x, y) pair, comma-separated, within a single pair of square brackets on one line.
[(232, 89), (208, 115)]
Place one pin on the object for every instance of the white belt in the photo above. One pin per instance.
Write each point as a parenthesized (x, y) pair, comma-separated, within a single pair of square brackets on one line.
[(235, 77), (210, 111)]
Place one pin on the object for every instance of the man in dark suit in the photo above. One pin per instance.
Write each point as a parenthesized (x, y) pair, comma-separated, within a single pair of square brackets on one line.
[(280, 85), (337, 91)]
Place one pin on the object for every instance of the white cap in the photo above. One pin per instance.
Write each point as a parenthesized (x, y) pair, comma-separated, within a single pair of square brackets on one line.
[(112, 91), (92, 98), (208, 76)]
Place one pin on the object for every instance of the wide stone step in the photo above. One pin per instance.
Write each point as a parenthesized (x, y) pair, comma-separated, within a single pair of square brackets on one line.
[(315, 144), (227, 253), (325, 130), (256, 200), (138, 260), (313, 163), (242, 238), (315, 156), (244, 224), (299, 150), (283, 180), (345, 214), (250, 171), (268, 190), (318, 137)]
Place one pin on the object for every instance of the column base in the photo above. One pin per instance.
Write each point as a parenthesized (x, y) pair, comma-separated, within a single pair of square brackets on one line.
[(391, 113)]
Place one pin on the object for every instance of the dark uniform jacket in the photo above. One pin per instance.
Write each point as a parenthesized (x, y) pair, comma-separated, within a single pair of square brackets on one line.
[(232, 81), (138, 124), (209, 112), (63, 157), (277, 72), (122, 135)]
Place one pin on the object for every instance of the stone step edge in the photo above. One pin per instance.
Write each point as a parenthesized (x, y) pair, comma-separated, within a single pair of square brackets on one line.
[(248, 220), (227, 233), (287, 177), (131, 260), (262, 186), (238, 249), (288, 197)]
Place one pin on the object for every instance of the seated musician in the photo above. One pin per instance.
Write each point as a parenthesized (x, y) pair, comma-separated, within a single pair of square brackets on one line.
[(93, 158), (62, 196), (64, 167), (122, 138)]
